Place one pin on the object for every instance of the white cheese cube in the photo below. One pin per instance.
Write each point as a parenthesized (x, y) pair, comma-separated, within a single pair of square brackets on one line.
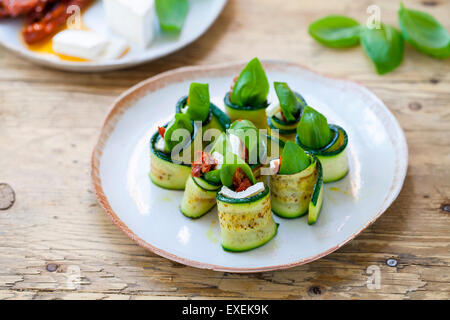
[(79, 43), (114, 49), (132, 19), (247, 193)]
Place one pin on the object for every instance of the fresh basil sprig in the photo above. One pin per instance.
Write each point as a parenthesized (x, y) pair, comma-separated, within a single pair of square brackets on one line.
[(251, 87), (336, 31), (424, 32), (293, 159), (384, 47), (289, 104), (313, 130), (198, 101), (181, 121), (171, 14)]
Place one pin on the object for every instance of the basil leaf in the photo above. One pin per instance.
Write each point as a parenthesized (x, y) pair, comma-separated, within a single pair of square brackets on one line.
[(290, 105), (294, 159), (213, 176), (198, 101), (384, 47), (336, 31), (313, 130), (171, 14), (424, 32), (229, 168), (181, 121), (251, 87)]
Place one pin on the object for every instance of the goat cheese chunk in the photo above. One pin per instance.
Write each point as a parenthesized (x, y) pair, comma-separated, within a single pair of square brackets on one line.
[(79, 43), (132, 19), (219, 159), (275, 166), (247, 193), (272, 110), (114, 49), (159, 145), (237, 146)]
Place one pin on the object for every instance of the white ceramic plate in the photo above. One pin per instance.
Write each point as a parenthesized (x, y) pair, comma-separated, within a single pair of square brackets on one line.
[(378, 157), (202, 13)]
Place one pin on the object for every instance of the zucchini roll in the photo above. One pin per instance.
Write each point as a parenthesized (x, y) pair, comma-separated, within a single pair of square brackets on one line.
[(248, 97), (296, 184), (327, 142), (284, 117), (201, 187), (245, 214), (171, 153)]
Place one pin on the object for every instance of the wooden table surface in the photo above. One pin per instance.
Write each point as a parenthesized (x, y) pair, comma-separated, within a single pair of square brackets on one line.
[(56, 242)]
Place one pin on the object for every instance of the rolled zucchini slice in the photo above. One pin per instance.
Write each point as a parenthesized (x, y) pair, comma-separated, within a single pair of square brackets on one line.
[(246, 224), (333, 157), (199, 197), (292, 194), (257, 115), (170, 173), (285, 130)]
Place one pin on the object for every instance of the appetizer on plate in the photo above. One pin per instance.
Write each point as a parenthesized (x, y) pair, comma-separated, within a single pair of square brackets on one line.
[(283, 117), (171, 149), (248, 96), (327, 142), (245, 214), (55, 27), (296, 184)]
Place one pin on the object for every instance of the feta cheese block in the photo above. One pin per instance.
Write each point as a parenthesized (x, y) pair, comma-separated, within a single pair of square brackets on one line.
[(114, 49), (79, 43), (237, 146), (160, 145), (131, 19), (247, 193), (274, 166)]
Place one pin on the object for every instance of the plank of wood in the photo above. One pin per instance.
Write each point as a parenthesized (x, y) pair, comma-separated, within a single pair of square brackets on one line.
[(56, 242)]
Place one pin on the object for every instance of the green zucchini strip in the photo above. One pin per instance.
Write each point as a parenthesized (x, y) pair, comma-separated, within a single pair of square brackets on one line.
[(199, 197), (246, 224), (333, 156), (291, 194), (166, 173), (257, 115)]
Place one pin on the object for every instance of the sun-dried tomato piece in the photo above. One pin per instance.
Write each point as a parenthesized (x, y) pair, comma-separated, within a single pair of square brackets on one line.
[(240, 180), (14, 8), (162, 131), (204, 163)]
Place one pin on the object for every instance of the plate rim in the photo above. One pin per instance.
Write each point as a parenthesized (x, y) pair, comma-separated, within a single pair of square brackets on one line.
[(124, 101), (86, 67)]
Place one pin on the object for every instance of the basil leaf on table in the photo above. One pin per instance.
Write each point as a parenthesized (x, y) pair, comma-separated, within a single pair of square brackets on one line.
[(171, 14), (251, 87), (336, 31), (424, 32), (289, 104), (181, 121), (198, 101), (384, 47), (313, 130), (293, 159)]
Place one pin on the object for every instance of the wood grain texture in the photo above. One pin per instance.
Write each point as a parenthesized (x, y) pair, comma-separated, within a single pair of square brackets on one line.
[(56, 242)]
